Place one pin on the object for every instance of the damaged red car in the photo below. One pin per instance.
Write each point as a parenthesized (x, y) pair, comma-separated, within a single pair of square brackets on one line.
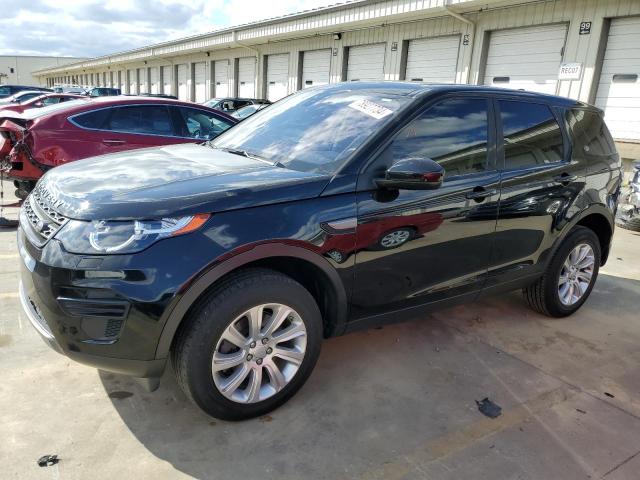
[(42, 138), (39, 101)]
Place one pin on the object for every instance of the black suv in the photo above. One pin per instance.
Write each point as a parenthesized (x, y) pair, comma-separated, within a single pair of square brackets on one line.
[(339, 207)]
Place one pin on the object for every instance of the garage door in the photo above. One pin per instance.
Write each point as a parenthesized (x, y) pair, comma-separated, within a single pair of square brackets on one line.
[(122, 75), (167, 79), (183, 92), (200, 75), (527, 58), (221, 72), (277, 76), (366, 62), (154, 76), (142, 79), (619, 87), (433, 59), (133, 82), (247, 77), (316, 67)]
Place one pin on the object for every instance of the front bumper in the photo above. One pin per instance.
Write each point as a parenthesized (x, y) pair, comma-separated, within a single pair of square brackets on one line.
[(69, 334)]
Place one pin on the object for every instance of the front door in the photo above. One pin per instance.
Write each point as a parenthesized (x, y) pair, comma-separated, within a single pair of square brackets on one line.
[(421, 246)]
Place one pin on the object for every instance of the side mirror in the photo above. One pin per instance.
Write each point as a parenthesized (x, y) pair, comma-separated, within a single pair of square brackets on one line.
[(412, 174)]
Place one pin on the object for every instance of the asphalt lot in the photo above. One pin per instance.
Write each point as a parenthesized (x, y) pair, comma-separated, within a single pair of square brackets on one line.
[(391, 403)]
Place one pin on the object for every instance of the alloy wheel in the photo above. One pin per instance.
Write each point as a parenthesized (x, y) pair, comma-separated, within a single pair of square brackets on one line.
[(576, 274), (259, 353)]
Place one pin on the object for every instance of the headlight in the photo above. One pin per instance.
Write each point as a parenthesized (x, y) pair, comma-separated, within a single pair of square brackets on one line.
[(123, 236)]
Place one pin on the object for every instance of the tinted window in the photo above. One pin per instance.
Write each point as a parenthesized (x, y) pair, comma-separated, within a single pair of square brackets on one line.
[(200, 124), (589, 132), (4, 91), (453, 133), (143, 119), (96, 119), (52, 100), (532, 135)]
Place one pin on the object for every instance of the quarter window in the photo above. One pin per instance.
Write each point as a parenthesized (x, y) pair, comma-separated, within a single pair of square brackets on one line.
[(452, 132), (589, 132), (531, 134)]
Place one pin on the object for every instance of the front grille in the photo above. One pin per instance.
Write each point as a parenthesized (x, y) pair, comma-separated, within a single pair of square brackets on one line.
[(39, 214)]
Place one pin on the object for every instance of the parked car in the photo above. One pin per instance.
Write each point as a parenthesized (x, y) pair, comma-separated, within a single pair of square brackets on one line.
[(103, 92), (70, 89), (159, 95), (628, 215), (221, 256), (38, 101), (19, 97), (229, 105), (40, 139), (248, 110), (8, 90)]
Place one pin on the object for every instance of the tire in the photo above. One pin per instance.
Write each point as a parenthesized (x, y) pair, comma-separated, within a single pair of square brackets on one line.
[(632, 224), (544, 295), (204, 338), (402, 235)]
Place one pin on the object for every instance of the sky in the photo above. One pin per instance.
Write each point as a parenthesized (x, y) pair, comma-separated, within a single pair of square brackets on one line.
[(90, 28)]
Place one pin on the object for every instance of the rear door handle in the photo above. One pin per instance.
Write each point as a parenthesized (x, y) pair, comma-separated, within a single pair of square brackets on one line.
[(113, 143), (480, 193), (565, 178)]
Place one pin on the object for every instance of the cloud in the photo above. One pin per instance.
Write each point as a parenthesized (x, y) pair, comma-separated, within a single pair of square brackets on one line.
[(89, 28)]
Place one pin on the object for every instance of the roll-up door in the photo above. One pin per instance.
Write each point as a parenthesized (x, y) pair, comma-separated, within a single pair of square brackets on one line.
[(200, 71), (142, 81), (277, 76), (122, 75), (183, 92), (167, 79), (133, 82), (316, 67), (221, 72), (366, 62), (528, 58), (247, 77), (154, 75), (433, 59), (619, 86)]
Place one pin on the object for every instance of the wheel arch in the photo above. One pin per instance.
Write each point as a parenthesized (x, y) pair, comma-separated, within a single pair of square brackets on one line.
[(308, 268), (598, 220)]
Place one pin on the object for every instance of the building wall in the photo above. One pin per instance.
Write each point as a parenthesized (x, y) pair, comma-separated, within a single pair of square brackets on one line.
[(18, 69), (390, 22)]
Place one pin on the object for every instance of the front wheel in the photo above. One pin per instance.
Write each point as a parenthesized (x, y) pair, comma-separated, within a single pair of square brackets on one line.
[(570, 275), (249, 346)]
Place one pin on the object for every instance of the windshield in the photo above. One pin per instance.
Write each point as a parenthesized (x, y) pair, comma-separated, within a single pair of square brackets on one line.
[(313, 130), (212, 103)]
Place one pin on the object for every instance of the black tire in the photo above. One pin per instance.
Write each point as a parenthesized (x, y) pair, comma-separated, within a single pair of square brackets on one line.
[(542, 296), (196, 341), (632, 224)]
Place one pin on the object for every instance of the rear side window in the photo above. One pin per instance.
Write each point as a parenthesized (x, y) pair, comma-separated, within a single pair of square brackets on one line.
[(531, 134), (589, 133), (142, 119)]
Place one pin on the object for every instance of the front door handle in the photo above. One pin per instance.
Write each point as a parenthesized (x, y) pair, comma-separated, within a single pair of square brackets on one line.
[(480, 193), (113, 143), (565, 179)]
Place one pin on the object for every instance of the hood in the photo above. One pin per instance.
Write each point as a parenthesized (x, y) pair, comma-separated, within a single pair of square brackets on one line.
[(170, 181)]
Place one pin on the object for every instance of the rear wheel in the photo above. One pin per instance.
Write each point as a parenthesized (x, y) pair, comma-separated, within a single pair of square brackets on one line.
[(249, 346), (570, 275)]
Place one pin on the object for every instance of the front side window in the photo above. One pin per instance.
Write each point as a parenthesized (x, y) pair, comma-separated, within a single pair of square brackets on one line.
[(531, 134), (452, 132), (142, 119), (201, 124), (314, 131)]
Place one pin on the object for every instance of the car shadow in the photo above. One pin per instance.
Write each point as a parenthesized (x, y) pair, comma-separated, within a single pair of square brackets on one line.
[(373, 395)]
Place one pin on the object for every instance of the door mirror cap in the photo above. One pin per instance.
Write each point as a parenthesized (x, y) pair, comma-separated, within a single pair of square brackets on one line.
[(412, 174)]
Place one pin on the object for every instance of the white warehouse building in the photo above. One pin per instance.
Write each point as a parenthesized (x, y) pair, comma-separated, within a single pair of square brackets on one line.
[(588, 50)]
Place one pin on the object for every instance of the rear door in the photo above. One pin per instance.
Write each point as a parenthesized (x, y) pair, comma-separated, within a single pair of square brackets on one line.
[(122, 128), (539, 182), (421, 246)]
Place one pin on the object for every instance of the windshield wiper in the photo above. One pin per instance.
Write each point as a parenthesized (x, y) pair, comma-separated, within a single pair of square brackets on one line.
[(253, 156)]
